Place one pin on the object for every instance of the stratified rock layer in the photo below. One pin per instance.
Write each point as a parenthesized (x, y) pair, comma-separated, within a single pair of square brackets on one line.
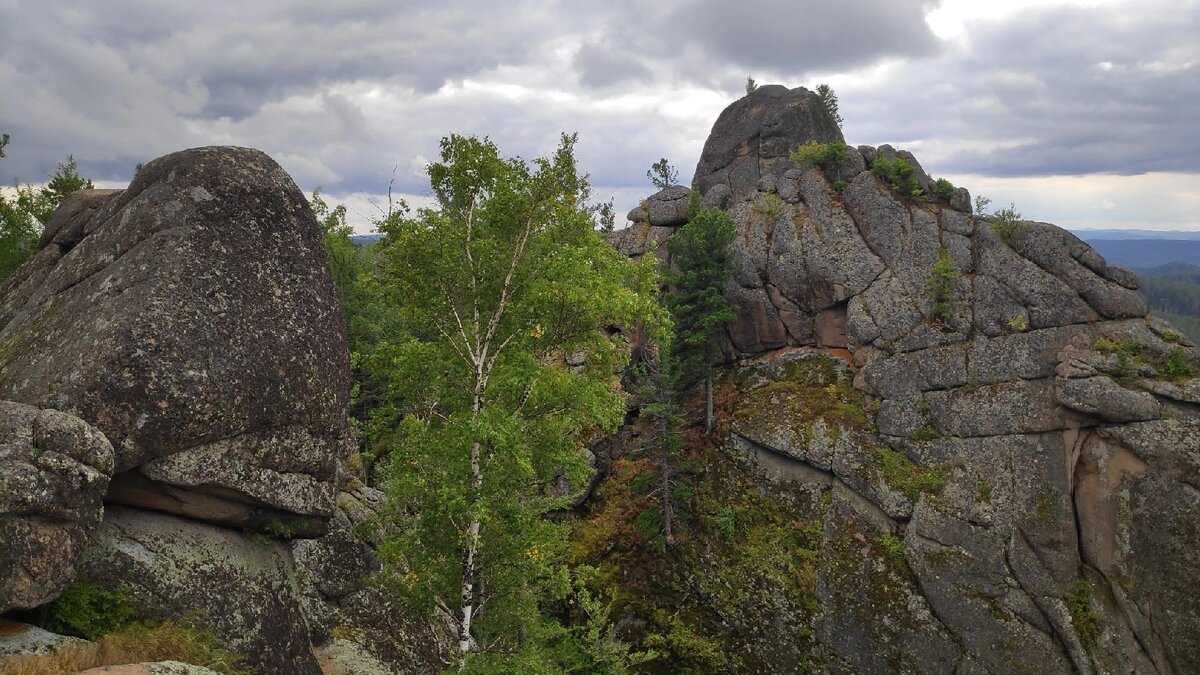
[(193, 319), (1046, 430)]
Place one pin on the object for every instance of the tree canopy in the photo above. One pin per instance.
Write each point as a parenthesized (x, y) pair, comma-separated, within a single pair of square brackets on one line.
[(505, 365), (26, 211)]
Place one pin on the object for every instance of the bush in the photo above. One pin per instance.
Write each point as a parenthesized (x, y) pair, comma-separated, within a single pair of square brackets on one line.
[(941, 284), (1008, 224), (824, 155), (1084, 618), (1176, 366), (898, 175), (88, 611), (769, 207), (943, 189)]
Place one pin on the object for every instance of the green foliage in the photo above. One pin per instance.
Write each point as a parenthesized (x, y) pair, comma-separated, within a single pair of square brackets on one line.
[(899, 175), (941, 285), (1008, 223), (346, 259), (586, 644), (943, 189), (1132, 357), (769, 206), (88, 611), (925, 432), (1019, 323), (839, 185), (894, 546), (900, 472), (1176, 366), (23, 215), (825, 155), (1085, 619), (726, 520), (1170, 336), (829, 101), (697, 302), (490, 290), (607, 216), (985, 491), (751, 85), (662, 175)]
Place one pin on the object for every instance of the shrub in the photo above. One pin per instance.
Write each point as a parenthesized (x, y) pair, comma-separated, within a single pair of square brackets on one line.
[(839, 185), (1019, 323), (88, 611), (1079, 605), (898, 175), (941, 284), (824, 155), (1176, 366), (769, 207), (943, 189), (1170, 336), (1008, 224)]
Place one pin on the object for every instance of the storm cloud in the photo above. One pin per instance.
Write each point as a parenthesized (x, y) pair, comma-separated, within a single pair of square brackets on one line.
[(346, 94)]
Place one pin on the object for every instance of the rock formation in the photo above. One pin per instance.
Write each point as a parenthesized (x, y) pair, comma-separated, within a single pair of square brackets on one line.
[(183, 337), (1029, 440), (54, 469), (192, 318)]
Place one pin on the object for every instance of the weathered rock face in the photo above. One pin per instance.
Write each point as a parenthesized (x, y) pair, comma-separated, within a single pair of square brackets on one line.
[(371, 628), (191, 318), (54, 469), (1030, 437), (243, 590)]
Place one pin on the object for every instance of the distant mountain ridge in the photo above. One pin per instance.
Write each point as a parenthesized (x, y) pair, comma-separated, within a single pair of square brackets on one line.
[(1144, 252), (1090, 235)]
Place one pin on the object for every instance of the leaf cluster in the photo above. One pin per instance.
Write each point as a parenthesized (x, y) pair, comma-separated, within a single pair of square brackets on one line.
[(697, 304), (825, 155), (899, 175), (491, 290), (25, 212)]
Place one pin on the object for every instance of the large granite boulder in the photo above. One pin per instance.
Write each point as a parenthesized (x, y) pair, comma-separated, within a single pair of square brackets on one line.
[(54, 469), (192, 318)]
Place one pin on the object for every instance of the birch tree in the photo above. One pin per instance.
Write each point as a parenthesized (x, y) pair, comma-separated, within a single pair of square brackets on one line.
[(500, 285)]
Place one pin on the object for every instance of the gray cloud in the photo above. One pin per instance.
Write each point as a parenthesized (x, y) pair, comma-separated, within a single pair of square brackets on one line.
[(1054, 91), (781, 37), (343, 92)]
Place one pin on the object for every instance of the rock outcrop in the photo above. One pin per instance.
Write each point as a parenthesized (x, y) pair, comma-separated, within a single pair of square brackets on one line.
[(1029, 437), (192, 319), (54, 470), (178, 360)]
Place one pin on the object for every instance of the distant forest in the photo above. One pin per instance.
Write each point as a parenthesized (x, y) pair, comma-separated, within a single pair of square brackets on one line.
[(1173, 292)]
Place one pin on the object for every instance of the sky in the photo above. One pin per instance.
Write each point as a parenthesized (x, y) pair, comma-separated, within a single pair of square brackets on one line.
[(1079, 113)]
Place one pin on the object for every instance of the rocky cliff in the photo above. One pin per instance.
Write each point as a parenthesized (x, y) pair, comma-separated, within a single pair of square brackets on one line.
[(997, 467)]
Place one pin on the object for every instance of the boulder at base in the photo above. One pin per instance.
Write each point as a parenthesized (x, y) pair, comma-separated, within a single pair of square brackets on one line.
[(241, 588)]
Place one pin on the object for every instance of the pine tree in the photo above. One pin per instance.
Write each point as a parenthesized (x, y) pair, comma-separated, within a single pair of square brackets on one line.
[(697, 299)]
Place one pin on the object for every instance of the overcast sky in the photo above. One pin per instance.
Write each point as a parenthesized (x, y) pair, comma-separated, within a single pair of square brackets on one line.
[(1081, 113)]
